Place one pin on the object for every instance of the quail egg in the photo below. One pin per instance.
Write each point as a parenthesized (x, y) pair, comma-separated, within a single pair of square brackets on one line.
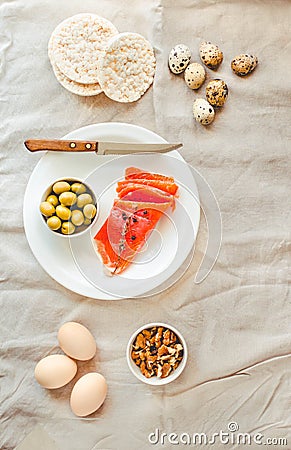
[(244, 64), (179, 58), (203, 112), (210, 55), (194, 75), (216, 92)]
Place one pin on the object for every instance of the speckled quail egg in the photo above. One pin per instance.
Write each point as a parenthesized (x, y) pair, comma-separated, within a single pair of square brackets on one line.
[(210, 55), (179, 58), (194, 75), (203, 112), (244, 64), (216, 92)]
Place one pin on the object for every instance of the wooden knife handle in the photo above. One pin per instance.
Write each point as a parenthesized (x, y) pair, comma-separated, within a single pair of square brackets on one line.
[(36, 145)]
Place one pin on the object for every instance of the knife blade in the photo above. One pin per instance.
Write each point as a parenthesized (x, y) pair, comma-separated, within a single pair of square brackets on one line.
[(100, 147)]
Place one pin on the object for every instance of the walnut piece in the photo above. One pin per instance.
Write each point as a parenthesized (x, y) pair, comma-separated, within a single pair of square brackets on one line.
[(140, 341), (166, 369)]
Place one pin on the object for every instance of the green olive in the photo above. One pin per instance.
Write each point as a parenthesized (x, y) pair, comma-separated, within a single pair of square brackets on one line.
[(78, 188), (68, 228), (83, 200), (89, 211), (54, 223), (77, 218), (63, 212), (53, 199), (87, 222), (47, 209), (61, 186), (68, 198)]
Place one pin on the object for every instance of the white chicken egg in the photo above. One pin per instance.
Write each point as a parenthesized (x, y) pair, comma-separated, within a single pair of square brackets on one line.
[(76, 341), (88, 394), (54, 371)]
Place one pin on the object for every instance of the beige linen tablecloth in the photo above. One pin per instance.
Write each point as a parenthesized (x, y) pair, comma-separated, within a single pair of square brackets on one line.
[(237, 322)]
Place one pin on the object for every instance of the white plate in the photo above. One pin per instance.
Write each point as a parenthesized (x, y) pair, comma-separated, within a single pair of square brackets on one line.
[(73, 262)]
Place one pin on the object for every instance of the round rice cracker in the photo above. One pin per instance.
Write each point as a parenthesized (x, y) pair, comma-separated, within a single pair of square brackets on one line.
[(85, 90), (76, 43), (127, 67)]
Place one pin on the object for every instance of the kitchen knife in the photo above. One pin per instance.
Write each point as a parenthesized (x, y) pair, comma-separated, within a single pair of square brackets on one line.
[(101, 148)]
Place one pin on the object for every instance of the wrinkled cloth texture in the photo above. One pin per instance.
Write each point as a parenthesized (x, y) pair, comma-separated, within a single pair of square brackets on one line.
[(237, 321)]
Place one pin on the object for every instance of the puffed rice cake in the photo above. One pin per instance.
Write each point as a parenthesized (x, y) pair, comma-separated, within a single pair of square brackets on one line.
[(76, 43), (127, 67), (85, 90)]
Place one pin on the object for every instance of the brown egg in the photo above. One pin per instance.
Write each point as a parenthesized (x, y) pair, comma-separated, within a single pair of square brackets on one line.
[(54, 371), (76, 341), (88, 394)]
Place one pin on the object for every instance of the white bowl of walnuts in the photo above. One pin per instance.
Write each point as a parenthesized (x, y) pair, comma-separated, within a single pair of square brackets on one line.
[(156, 353)]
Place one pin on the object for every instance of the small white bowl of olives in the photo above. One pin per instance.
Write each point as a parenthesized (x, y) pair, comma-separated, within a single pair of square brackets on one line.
[(68, 207)]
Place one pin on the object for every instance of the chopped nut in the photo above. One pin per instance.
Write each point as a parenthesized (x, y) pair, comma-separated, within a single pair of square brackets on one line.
[(173, 338), (157, 352), (134, 355), (152, 358), (142, 355), (166, 369), (150, 361), (163, 350), (166, 357), (148, 374), (167, 337), (179, 351), (171, 350), (160, 371), (172, 361), (140, 341), (159, 337), (147, 334)]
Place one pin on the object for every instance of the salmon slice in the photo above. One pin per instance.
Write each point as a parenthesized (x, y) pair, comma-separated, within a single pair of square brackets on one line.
[(135, 173), (131, 184), (131, 220), (123, 235), (149, 197)]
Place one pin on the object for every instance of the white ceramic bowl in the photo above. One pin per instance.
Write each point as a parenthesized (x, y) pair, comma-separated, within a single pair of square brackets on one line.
[(49, 190), (155, 381)]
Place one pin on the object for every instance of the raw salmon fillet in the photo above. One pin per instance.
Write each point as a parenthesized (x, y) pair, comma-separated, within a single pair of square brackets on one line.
[(135, 213), (128, 185), (135, 173)]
